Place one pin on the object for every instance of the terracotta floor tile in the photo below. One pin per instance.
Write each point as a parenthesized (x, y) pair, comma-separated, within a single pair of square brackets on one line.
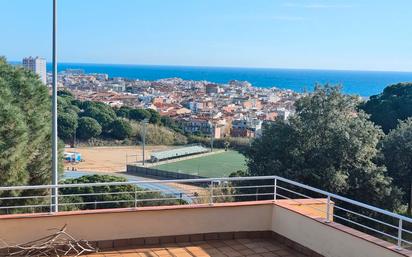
[(161, 252), (239, 247), (147, 254), (213, 251), (246, 252), (111, 254), (95, 255), (182, 254), (217, 244), (284, 253), (253, 245), (273, 247), (270, 255), (204, 245), (225, 249), (128, 251), (130, 254), (196, 250), (244, 240), (260, 250), (231, 242), (215, 248), (217, 255), (233, 254), (169, 245)]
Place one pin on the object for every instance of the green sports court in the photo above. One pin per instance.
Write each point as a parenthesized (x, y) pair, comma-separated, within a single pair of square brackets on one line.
[(216, 165)]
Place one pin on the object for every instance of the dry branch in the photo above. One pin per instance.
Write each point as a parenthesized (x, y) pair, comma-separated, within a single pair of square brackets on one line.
[(57, 244)]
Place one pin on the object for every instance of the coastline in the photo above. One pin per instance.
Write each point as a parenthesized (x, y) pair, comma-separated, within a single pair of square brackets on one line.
[(362, 83)]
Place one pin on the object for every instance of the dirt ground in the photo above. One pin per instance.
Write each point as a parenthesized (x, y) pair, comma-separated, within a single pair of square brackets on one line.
[(109, 159), (113, 160)]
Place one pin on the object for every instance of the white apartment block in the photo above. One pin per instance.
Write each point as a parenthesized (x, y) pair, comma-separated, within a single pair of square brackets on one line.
[(36, 65)]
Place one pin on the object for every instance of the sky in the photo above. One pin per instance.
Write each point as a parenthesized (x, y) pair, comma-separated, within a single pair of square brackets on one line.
[(313, 34)]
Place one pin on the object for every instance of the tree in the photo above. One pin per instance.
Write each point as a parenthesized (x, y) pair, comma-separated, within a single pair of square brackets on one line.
[(104, 118), (171, 123), (158, 135), (25, 130), (65, 93), (393, 104), (88, 128), (105, 108), (123, 112), (397, 150), (67, 125), (154, 116), (327, 144), (139, 114), (120, 129)]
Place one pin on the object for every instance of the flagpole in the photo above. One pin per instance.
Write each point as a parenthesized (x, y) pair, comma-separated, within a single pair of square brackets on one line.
[(55, 158)]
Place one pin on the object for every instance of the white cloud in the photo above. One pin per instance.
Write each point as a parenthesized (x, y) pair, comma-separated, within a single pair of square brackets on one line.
[(287, 18), (317, 5)]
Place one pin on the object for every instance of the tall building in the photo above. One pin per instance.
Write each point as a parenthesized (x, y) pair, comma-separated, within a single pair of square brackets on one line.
[(36, 65)]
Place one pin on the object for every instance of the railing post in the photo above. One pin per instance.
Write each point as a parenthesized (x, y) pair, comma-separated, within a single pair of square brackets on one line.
[(135, 197), (328, 210), (211, 193), (51, 201), (275, 187), (54, 199), (399, 247)]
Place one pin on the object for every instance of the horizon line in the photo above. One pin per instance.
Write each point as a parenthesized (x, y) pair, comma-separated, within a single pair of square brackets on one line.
[(228, 67)]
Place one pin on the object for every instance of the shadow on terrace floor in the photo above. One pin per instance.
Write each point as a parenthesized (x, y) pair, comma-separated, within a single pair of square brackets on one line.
[(214, 248)]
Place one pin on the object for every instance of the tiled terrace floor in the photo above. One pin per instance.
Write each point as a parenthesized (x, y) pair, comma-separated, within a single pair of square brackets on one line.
[(216, 248)]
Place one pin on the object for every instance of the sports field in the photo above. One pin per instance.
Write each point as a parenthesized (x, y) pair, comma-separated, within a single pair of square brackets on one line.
[(215, 165)]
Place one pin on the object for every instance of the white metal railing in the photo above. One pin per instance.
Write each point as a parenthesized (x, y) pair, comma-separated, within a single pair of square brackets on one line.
[(372, 220)]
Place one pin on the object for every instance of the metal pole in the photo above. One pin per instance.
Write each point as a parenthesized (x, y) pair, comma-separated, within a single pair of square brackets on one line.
[(135, 197), (399, 247), (212, 137), (211, 193), (328, 210), (55, 161), (275, 187)]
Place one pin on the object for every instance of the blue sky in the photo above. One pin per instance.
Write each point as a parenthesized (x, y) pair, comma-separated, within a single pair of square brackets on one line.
[(318, 34)]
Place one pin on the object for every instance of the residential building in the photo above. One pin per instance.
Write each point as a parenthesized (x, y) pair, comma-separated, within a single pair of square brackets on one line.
[(246, 128), (196, 125), (36, 65), (212, 89)]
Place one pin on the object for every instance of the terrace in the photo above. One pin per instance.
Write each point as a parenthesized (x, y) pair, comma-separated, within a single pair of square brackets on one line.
[(251, 216)]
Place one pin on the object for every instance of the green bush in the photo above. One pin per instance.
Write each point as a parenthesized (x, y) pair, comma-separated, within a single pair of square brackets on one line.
[(67, 125), (120, 129), (158, 135), (392, 105), (88, 128), (113, 123), (119, 196), (25, 128), (139, 114), (237, 143)]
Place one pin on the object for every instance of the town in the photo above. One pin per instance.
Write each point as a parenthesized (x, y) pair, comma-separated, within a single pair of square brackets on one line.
[(234, 109)]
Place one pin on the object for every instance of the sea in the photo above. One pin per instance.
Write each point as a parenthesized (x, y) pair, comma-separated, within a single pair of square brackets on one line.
[(363, 83)]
